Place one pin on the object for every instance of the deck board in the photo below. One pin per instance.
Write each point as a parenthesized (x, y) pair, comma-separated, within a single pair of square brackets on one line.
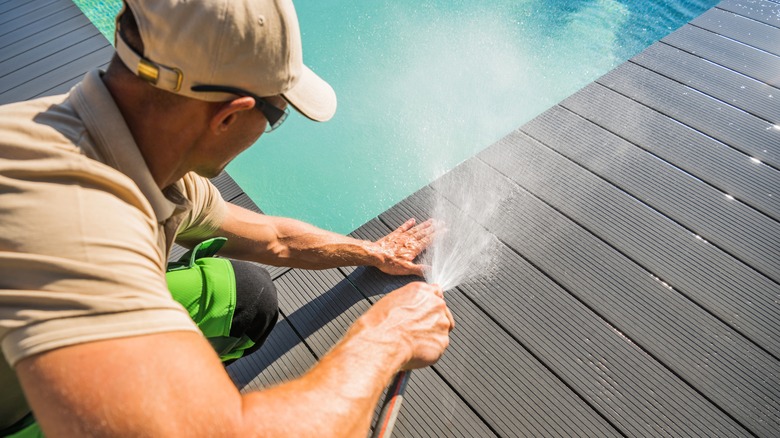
[(283, 355), (24, 58), (19, 25), (758, 10), (55, 25), (585, 356), (638, 292), (19, 11), (752, 62), (7, 5), (735, 228), (664, 322), (747, 94), (755, 137), (704, 157), (499, 379), (227, 187), (49, 56), (26, 81), (740, 28)]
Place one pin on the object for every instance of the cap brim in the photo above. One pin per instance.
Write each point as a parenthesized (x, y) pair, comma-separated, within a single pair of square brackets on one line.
[(312, 97)]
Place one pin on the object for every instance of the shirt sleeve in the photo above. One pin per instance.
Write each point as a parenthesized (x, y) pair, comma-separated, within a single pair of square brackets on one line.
[(79, 259), (208, 209)]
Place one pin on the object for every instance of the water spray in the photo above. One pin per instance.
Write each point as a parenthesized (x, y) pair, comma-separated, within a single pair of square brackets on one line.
[(462, 250)]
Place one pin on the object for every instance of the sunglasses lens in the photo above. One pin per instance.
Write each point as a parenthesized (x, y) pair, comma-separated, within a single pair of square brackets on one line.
[(276, 120), (273, 114)]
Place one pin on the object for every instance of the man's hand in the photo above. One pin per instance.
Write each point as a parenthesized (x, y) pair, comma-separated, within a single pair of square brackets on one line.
[(402, 246), (415, 314), (143, 385)]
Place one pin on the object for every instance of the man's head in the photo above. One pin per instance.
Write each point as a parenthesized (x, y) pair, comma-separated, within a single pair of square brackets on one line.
[(216, 50), (189, 75)]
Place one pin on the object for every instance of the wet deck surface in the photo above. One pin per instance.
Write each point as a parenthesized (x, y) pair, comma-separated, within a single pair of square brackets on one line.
[(639, 283)]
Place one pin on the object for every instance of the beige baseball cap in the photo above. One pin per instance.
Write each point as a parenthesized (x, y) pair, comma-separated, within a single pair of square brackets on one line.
[(251, 45)]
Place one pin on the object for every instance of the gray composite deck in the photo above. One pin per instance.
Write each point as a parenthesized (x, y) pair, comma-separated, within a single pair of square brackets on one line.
[(639, 284)]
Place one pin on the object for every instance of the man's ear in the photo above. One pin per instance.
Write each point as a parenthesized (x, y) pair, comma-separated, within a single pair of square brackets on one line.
[(227, 113)]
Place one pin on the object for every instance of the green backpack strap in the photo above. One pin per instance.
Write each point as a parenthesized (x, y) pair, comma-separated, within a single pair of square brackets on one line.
[(207, 248)]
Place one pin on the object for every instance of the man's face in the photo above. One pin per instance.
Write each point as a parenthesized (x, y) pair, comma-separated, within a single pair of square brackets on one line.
[(243, 133)]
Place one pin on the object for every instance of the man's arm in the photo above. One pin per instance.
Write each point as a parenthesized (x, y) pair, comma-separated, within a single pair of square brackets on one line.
[(288, 242), (173, 384)]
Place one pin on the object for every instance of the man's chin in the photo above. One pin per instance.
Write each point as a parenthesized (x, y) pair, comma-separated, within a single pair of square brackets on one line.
[(210, 172)]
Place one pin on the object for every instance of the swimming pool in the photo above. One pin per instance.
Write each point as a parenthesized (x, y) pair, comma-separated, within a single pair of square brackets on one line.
[(426, 84)]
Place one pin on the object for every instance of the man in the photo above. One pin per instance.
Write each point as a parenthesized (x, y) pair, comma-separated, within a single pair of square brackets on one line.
[(94, 188)]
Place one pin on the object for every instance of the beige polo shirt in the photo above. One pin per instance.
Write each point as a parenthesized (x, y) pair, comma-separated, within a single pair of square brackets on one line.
[(84, 230)]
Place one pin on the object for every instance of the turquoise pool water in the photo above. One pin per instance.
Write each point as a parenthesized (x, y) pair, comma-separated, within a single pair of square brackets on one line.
[(424, 85)]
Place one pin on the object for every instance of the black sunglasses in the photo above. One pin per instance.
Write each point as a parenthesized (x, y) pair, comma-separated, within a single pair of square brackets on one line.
[(275, 116)]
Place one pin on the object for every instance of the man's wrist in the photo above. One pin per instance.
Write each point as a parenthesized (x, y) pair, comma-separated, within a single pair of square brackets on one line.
[(376, 256)]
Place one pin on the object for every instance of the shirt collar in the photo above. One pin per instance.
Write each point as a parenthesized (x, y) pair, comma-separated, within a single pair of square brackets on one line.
[(112, 137)]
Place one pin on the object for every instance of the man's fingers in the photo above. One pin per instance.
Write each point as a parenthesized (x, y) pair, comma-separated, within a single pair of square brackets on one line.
[(406, 226), (426, 241), (420, 237), (428, 320), (437, 291), (412, 228), (423, 229), (427, 224), (426, 234), (451, 318), (418, 270)]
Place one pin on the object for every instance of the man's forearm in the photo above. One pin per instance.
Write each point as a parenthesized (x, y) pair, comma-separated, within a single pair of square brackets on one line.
[(337, 397), (292, 243), (172, 384), (145, 394)]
